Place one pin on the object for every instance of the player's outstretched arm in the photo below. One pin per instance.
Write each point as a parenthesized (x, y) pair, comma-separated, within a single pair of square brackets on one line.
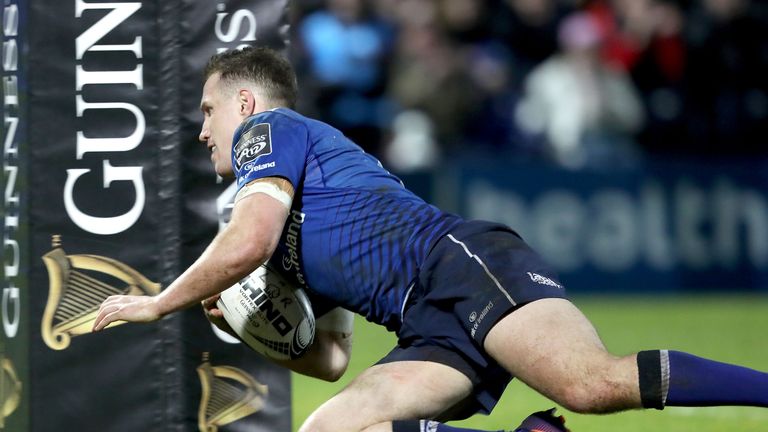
[(248, 241)]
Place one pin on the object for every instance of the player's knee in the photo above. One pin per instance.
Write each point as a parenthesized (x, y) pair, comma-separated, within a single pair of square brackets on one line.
[(596, 395), (332, 374), (601, 384), (581, 399)]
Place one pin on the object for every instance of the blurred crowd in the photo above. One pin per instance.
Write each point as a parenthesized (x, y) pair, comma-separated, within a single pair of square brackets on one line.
[(583, 84)]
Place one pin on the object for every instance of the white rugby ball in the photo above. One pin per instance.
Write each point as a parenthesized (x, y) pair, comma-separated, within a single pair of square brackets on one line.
[(270, 315)]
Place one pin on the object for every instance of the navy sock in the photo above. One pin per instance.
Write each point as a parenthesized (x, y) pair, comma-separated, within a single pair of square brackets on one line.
[(427, 426), (674, 378), (694, 381)]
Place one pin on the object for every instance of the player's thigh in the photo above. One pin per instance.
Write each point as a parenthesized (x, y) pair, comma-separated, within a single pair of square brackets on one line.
[(391, 391), (551, 346)]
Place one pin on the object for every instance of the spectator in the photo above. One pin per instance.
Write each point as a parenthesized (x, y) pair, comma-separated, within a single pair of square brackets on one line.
[(584, 111), (413, 145), (346, 48), (429, 73), (626, 27)]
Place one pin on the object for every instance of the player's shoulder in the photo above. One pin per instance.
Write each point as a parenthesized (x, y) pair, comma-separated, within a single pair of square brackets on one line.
[(275, 116), (263, 124)]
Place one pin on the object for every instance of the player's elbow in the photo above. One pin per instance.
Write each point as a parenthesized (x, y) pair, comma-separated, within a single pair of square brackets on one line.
[(333, 366), (333, 377), (325, 370), (331, 374), (333, 342), (327, 359), (340, 353), (336, 368)]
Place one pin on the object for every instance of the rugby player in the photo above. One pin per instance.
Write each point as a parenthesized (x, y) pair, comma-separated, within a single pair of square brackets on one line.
[(472, 305)]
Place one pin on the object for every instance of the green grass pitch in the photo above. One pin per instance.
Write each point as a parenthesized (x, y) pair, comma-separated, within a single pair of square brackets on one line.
[(726, 328)]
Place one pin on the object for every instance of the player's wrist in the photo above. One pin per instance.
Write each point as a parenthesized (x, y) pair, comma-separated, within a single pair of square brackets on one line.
[(160, 305)]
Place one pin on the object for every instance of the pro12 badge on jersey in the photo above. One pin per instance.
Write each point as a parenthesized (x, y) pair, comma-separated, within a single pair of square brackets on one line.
[(255, 142)]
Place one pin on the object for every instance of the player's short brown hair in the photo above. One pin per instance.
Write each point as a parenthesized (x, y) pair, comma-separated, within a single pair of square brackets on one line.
[(264, 67)]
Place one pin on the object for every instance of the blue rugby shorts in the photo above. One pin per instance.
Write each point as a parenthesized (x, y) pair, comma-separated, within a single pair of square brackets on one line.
[(473, 276)]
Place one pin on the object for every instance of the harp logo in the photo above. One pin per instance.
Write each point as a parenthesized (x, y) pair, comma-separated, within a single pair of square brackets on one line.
[(10, 390), (229, 394), (77, 286)]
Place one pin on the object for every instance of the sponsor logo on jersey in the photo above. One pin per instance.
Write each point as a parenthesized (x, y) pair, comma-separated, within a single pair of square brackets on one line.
[(290, 260), (253, 143), (254, 167), (539, 279)]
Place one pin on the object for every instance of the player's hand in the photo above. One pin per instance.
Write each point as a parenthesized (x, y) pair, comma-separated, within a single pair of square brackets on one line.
[(215, 315), (126, 308)]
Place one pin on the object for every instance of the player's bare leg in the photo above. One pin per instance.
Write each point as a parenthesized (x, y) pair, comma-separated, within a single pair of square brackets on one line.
[(404, 390), (390, 391), (553, 348)]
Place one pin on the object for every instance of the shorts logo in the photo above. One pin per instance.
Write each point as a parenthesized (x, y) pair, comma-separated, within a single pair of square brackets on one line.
[(475, 320), (255, 142), (539, 279)]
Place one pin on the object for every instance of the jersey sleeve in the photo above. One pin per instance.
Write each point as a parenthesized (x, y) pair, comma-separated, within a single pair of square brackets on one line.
[(269, 144)]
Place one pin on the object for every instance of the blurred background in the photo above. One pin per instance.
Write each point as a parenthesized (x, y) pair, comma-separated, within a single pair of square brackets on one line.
[(624, 139), (577, 84)]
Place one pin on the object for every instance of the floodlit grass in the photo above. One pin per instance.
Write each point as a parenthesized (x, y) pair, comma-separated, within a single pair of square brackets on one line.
[(726, 328)]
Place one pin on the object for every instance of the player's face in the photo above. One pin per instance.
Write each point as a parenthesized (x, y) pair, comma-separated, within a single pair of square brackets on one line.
[(221, 113)]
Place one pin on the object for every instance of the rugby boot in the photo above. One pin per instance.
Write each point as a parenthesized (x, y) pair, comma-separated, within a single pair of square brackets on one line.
[(543, 421)]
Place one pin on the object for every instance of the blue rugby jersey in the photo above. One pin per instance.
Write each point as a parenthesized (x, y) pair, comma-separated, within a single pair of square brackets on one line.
[(355, 236)]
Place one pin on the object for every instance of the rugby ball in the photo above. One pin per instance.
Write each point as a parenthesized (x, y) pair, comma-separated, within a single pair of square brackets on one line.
[(270, 315)]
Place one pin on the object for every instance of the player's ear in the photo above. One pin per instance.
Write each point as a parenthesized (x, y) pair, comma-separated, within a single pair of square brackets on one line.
[(247, 102)]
